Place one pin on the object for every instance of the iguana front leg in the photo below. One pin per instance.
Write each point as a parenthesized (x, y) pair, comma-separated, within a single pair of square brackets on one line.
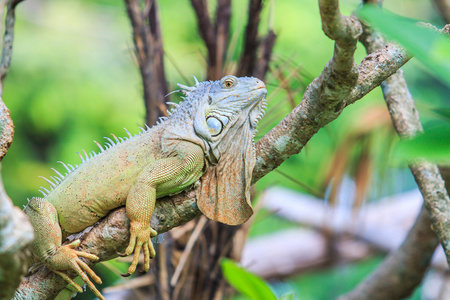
[(47, 246), (164, 176)]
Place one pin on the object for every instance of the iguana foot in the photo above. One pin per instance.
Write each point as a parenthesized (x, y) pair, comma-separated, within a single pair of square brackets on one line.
[(67, 258), (140, 235)]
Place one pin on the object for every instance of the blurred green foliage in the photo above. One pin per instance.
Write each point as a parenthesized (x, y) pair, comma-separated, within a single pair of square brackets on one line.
[(246, 282), (73, 80)]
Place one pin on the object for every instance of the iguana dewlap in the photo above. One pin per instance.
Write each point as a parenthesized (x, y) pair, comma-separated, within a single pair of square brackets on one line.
[(208, 135)]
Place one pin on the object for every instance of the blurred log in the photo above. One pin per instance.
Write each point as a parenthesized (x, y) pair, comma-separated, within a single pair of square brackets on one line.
[(383, 224), (292, 251)]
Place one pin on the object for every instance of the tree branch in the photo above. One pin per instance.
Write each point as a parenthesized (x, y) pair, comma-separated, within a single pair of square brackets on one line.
[(16, 233), (8, 41), (402, 271)]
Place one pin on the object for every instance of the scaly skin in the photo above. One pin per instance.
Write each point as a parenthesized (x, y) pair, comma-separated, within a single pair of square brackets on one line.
[(163, 160)]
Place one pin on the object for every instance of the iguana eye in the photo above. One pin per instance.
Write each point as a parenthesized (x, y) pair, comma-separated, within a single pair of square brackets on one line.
[(215, 126), (228, 82)]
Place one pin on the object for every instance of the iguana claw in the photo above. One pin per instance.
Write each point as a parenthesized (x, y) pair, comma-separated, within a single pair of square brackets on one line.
[(67, 258), (121, 254), (140, 235)]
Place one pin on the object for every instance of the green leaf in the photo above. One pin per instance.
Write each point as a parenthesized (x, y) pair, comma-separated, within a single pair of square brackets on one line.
[(246, 282), (287, 296), (433, 145), (430, 47)]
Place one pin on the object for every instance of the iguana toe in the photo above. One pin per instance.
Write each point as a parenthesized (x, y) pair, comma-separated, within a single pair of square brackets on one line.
[(66, 258), (140, 235)]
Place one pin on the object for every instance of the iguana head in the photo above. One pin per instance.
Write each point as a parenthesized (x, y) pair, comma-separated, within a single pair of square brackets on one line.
[(225, 114)]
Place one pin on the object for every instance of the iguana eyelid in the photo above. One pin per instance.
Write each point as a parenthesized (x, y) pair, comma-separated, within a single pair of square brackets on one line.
[(229, 79)]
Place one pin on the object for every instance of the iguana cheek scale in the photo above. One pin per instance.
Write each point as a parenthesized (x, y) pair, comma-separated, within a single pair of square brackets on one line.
[(209, 136)]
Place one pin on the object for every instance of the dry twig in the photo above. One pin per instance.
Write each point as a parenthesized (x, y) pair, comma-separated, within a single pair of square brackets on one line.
[(149, 54)]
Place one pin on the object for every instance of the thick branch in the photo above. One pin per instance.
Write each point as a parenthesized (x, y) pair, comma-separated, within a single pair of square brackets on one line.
[(16, 232), (6, 129)]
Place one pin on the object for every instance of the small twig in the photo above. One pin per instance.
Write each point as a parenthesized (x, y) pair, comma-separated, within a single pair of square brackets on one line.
[(7, 42), (187, 250), (149, 53), (206, 31), (222, 32), (266, 48)]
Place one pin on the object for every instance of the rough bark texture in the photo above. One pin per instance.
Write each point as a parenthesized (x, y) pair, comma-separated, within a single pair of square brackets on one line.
[(16, 232), (6, 129)]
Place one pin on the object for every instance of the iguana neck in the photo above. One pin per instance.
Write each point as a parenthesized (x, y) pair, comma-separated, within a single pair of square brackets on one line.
[(179, 126)]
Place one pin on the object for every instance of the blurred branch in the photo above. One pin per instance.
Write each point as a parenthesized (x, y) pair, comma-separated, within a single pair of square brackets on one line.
[(443, 9), (8, 38), (248, 58), (266, 47), (149, 54), (223, 16), (249, 63), (403, 269), (406, 122), (16, 232), (215, 38)]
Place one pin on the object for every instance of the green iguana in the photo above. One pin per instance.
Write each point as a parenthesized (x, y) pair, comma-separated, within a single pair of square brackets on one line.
[(208, 135)]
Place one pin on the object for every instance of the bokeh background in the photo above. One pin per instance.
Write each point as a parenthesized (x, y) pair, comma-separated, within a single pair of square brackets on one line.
[(74, 79)]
